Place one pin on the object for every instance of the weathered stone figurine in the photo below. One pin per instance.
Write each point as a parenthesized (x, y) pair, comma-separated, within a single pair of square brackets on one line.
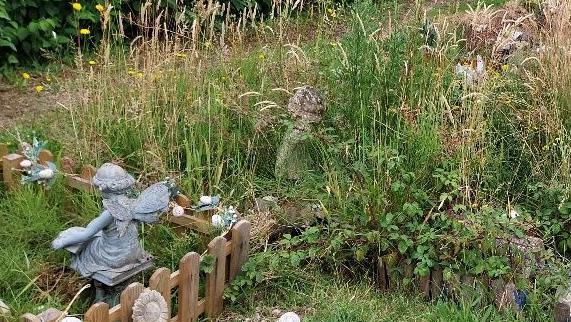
[(108, 249)]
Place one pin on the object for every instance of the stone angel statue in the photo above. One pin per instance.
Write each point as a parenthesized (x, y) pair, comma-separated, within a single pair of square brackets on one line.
[(110, 242)]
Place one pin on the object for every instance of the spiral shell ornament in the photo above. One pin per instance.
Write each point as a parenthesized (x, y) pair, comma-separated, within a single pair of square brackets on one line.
[(151, 306)]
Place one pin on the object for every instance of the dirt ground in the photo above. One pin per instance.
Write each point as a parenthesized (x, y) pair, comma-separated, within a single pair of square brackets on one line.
[(19, 105)]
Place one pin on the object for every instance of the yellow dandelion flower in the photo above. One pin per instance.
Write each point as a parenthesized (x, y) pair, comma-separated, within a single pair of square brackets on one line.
[(100, 7), (181, 55), (140, 75), (76, 6), (25, 76), (261, 56), (92, 62), (48, 79), (84, 31), (505, 68), (39, 88), (131, 72)]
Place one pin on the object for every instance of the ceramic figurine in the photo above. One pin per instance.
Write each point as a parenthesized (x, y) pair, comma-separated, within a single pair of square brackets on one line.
[(110, 244)]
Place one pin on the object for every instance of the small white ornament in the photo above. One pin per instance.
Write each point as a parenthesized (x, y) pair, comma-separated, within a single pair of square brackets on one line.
[(70, 319), (46, 174), (207, 200), (289, 317), (217, 221), (26, 163), (177, 211)]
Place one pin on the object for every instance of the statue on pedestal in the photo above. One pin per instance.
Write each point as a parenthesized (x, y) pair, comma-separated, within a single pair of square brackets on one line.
[(108, 248)]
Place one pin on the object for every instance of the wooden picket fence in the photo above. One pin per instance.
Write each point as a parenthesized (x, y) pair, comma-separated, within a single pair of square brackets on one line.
[(10, 171), (229, 252)]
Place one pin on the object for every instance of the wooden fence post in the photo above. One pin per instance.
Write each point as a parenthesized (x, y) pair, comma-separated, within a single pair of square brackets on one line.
[(240, 247), (11, 165), (98, 312), (215, 279), (159, 282), (189, 268), (128, 298)]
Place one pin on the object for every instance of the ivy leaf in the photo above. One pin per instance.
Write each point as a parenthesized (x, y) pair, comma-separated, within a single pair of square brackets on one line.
[(403, 246)]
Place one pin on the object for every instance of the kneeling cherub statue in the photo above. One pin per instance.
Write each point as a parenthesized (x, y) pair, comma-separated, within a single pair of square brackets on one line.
[(110, 242)]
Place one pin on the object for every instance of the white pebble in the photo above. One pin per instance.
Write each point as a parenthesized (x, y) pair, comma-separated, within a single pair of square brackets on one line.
[(46, 174), (177, 211), (26, 163), (217, 221), (206, 200), (289, 317)]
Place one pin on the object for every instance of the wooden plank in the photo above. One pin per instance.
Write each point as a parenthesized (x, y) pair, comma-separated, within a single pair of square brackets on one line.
[(215, 279), (11, 165), (562, 311), (159, 282), (436, 283), (28, 317), (45, 156), (240, 247), (189, 268), (79, 183), (128, 298), (382, 275), (67, 165), (115, 313), (173, 282), (424, 285), (98, 312), (87, 172), (190, 222), (408, 273)]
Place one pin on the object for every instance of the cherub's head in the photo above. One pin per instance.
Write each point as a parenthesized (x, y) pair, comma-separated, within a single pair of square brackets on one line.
[(112, 179)]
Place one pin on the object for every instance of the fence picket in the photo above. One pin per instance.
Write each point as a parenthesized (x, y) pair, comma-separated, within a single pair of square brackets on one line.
[(87, 172), (128, 298), (215, 279), (98, 312), (11, 165), (28, 317), (67, 165), (159, 282), (240, 247), (189, 268), (45, 156)]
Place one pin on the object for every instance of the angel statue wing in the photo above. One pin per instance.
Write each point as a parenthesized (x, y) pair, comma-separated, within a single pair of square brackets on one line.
[(121, 209), (152, 202)]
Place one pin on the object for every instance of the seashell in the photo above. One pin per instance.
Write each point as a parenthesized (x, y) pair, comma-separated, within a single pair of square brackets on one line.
[(151, 306), (46, 174), (177, 211), (217, 221), (207, 200), (26, 163)]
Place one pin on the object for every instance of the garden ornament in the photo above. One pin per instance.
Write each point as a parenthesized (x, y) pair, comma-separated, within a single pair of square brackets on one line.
[(109, 246), (33, 170), (150, 306), (294, 157), (206, 203), (289, 317)]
